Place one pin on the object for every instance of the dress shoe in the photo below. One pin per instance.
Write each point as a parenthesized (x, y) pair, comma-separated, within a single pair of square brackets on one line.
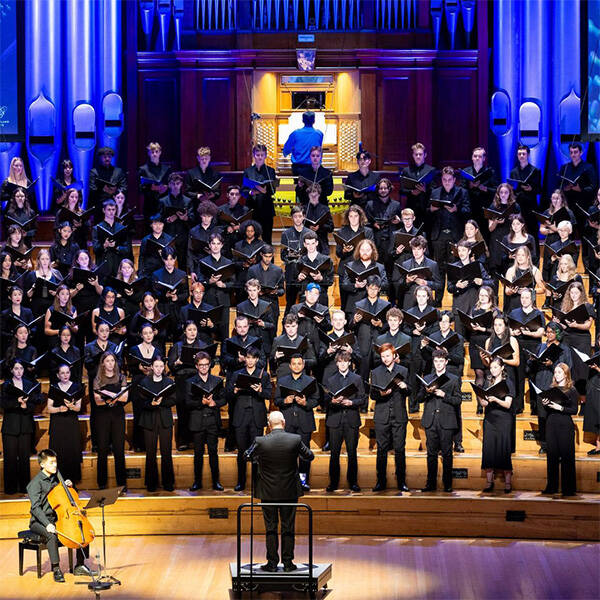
[(151, 489), (458, 447), (325, 448), (288, 567), (195, 486), (488, 488), (58, 575), (84, 570), (508, 489), (269, 567), (355, 488), (123, 491), (403, 488), (593, 452), (330, 489), (218, 487), (542, 451), (306, 487), (168, 488), (549, 492), (379, 487), (182, 447), (479, 409), (429, 488), (448, 490), (239, 488)]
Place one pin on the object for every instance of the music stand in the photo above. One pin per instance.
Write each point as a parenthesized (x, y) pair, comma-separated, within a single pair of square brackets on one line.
[(102, 498)]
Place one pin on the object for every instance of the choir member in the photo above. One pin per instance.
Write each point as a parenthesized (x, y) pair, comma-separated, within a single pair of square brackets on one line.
[(271, 278), (65, 353), (448, 207), (497, 426), (19, 396), (197, 244), (233, 349), (312, 316), (204, 398), (518, 236), (64, 181), (522, 265), (21, 348), (250, 413), (104, 181), (472, 235), (218, 286), (41, 283), (315, 267), (15, 245), (64, 406), (203, 183), (301, 141), (360, 185), (9, 276), (503, 206), (330, 346), (107, 311), (400, 251), (440, 392), (178, 215), (131, 288), (290, 338), (527, 182), (124, 216), (62, 303), (206, 326), (246, 253), (565, 244), (291, 250), (408, 282), (389, 390), (296, 396), (157, 422), (557, 211), (260, 183), (527, 325), (344, 397), (313, 173), (560, 433), (317, 217), (17, 178), (230, 217), (149, 312), (259, 315), (415, 182), (16, 314), (590, 233), (152, 245), (64, 248), (395, 336), (153, 177), (591, 413), (19, 212)]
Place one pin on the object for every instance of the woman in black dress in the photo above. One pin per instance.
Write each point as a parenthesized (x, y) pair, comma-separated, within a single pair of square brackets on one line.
[(591, 412), (498, 228), (560, 435), (516, 237), (73, 213), (64, 406), (20, 348), (129, 300), (499, 337), (110, 397), (566, 272), (15, 244), (19, 396), (19, 212), (521, 265), (41, 284), (157, 422), (497, 429), (64, 248), (53, 324), (64, 179), (109, 312), (181, 366), (15, 314), (65, 353)]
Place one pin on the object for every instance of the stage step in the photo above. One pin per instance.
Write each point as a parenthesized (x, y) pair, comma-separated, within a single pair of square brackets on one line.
[(529, 471), (521, 515)]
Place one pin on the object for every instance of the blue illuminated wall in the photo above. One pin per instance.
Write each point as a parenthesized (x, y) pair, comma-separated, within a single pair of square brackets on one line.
[(535, 83), (73, 84)]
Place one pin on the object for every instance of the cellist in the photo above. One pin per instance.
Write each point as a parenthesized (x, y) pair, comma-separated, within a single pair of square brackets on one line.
[(43, 517)]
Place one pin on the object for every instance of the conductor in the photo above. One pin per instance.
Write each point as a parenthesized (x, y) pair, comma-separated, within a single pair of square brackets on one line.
[(278, 481)]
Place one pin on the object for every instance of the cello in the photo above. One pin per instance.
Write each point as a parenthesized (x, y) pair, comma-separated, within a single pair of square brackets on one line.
[(73, 528)]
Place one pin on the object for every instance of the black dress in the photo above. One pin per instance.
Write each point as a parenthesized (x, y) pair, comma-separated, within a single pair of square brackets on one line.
[(497, 434), (582, 341), (478, 338), (591, 414), (65, 438), (71, 357)]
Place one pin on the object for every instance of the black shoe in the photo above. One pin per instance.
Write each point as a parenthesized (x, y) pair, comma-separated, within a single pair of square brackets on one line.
[(306, 487), (287, 567), (479, 409), (230, 448), (58, 575), (593, 452), (269, 567), (325, 448), (489, 488), (151, 489), (458, 447), (169, 488), (239, 488), (182, 447), (379, 487), (507, 489), (195, 486), (448, 490), (218, 487), (363, 410), (355, 488), (124, 491), (549, 492), (542, 451), (330, 489), (403, 488), (429, 488)]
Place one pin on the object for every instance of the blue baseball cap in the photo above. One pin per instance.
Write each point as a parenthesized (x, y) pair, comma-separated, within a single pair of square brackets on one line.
[(313, 286)]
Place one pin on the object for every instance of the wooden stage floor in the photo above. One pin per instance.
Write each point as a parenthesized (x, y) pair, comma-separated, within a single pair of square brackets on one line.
[(373, 568)]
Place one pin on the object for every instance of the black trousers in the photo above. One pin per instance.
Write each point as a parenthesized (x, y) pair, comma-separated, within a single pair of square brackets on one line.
[(17, 449), (388, 436), (291, 295), (337, 435), (164, 436), (51, 541), (266, 222), (210, 438), (110, 431), (303, 465), (183, 436), (245, 435), (560, 448), (457, 438), (442, 255), (271, 515), (438, 439)]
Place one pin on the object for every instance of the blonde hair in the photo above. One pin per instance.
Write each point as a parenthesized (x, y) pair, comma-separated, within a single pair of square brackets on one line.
[(572, 267), (11, 172), (153, 146), (203, 151)]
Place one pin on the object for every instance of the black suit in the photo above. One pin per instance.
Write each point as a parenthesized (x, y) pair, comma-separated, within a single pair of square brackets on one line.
[(343, 423), (390, 420), (278, 481), (440, 423)]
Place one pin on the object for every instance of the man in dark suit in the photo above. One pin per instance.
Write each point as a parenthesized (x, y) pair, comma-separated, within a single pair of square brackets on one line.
[(278, 481), (439, 419)]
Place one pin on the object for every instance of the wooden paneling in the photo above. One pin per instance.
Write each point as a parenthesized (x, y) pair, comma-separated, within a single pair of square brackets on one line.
[(455, 132)]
